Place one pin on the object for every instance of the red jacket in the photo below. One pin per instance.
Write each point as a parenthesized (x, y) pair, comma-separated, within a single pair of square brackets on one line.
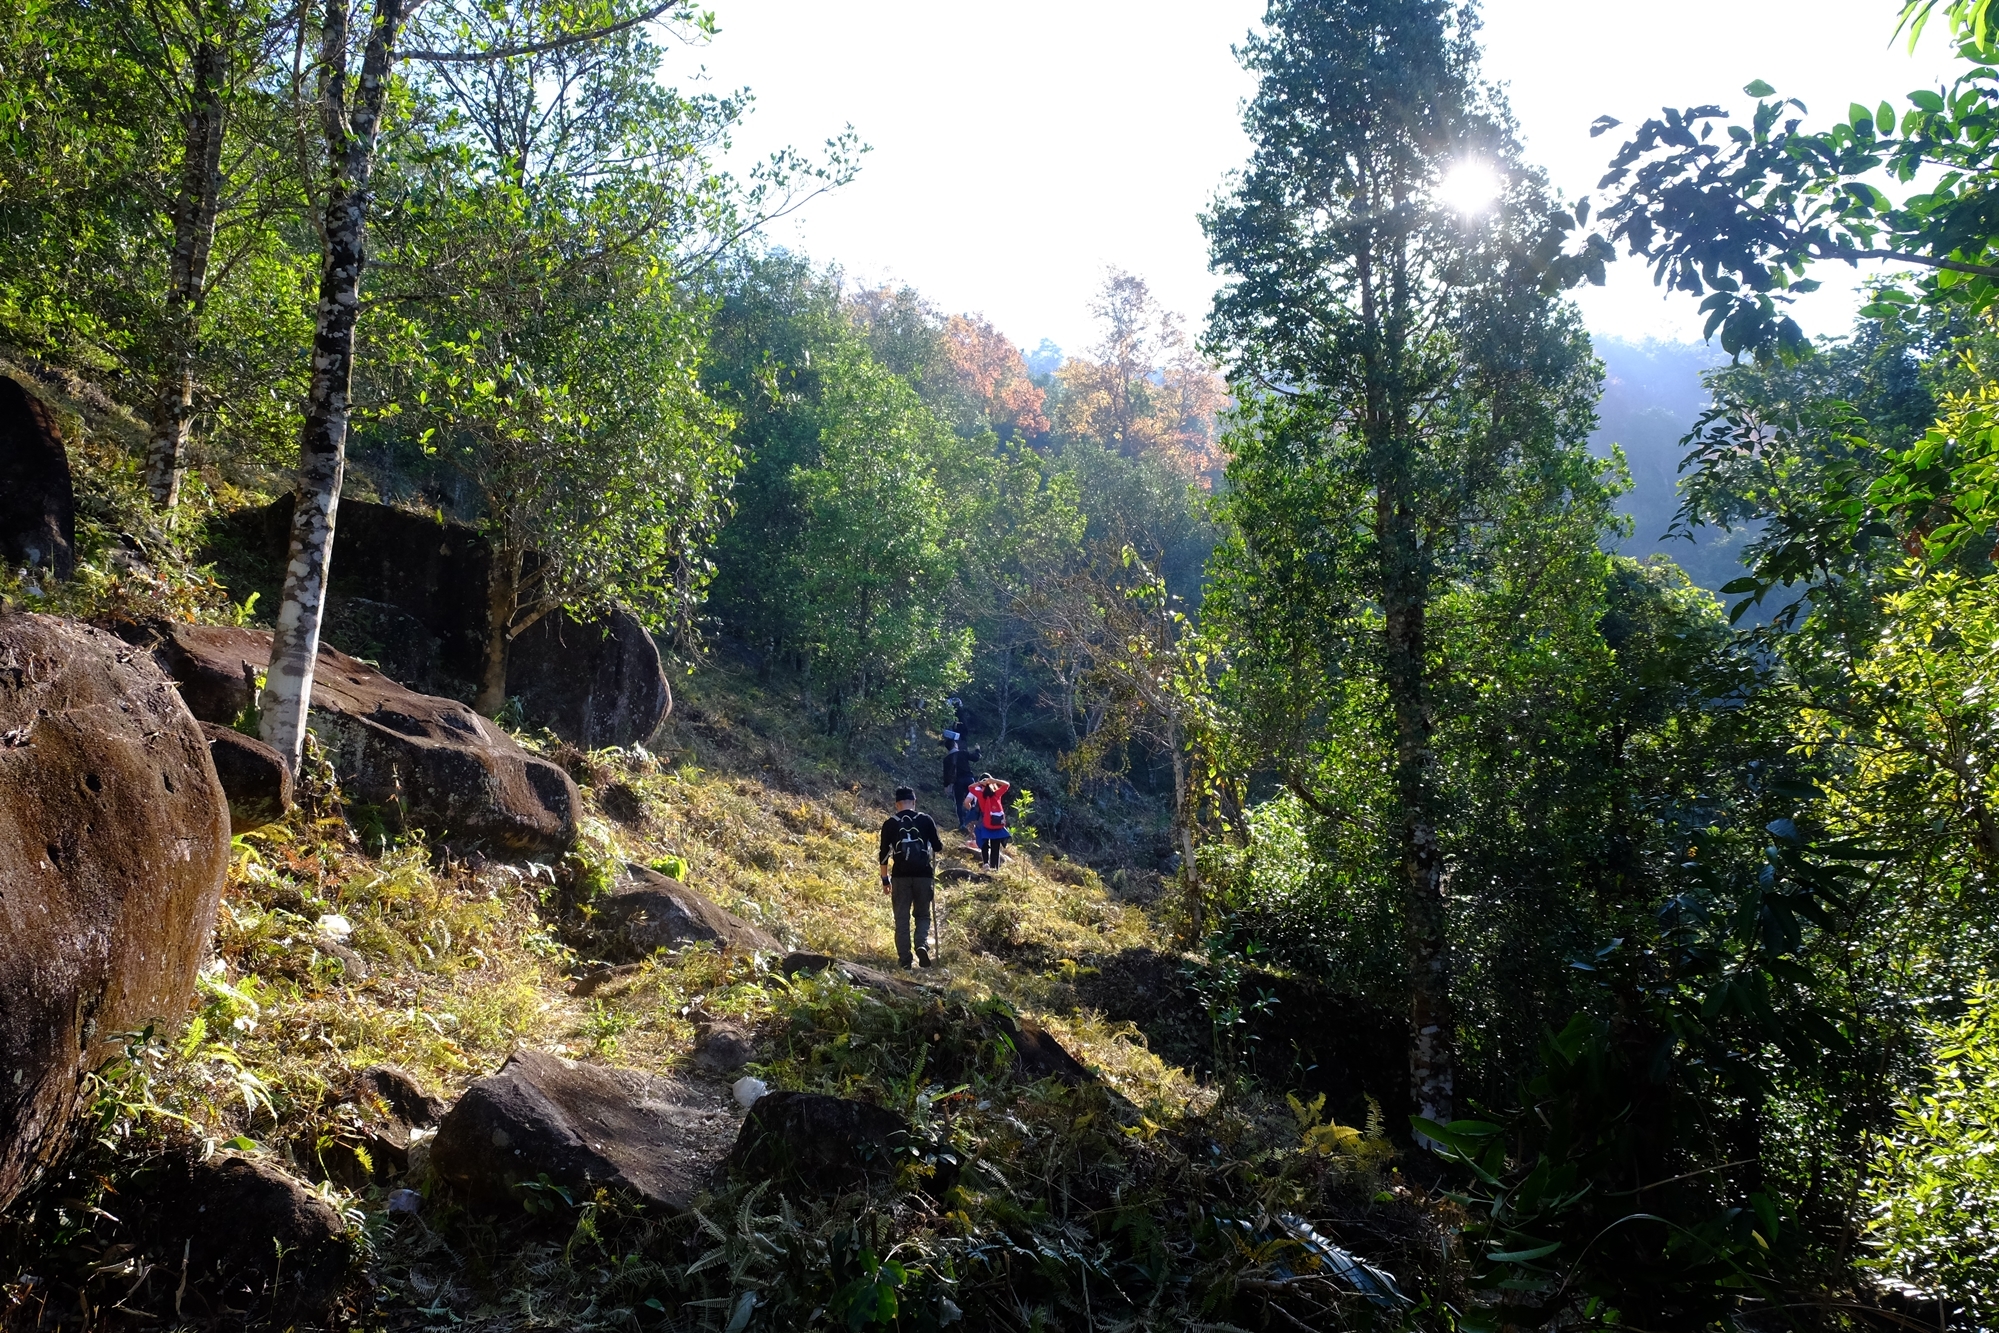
[(991, 798)]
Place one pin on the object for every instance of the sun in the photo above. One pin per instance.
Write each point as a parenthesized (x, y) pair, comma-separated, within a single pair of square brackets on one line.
[(1470, 187)]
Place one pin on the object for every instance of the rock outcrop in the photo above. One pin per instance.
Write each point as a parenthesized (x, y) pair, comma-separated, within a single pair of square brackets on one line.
[(253, 775), (380, 1112), (824, 1142), (650, 911), (395, 564), (37, 501), (425, 761), (1037, 1055), (582, 1126), (409, 590), (593, 683), (858, 973), (259, 1247), (114, 842)]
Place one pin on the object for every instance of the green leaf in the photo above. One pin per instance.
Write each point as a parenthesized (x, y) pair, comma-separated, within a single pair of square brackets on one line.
[(1525, 1256), (1926, 99), (1884, 118), (1758, 88), (1766, 1213)]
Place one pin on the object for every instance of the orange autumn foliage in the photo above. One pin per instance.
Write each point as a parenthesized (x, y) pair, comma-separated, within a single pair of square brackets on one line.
[(1143, 389), (993, 374)]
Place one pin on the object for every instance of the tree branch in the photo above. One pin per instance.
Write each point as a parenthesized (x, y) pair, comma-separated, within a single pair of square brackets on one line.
[(540, 48), (1903, 256)]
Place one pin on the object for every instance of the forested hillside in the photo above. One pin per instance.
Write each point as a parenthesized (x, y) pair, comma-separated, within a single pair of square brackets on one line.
[(1653, 393), (1500, 826)]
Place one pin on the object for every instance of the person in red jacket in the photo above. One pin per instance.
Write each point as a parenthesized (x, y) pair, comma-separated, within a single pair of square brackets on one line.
[(987, 799)]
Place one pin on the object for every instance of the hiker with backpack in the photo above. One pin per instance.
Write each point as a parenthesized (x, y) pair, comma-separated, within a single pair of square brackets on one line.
[(987, 801), (958, 781), (909, 847)]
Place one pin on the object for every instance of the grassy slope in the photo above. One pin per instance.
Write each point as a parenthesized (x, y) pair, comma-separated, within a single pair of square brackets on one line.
[(1151, 1188)]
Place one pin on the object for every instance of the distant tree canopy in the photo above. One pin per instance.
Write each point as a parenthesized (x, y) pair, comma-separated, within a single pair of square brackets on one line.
[(872, 412)]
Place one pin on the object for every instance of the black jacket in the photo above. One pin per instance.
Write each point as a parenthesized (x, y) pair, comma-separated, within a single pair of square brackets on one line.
[(957, 769), (926, 828)]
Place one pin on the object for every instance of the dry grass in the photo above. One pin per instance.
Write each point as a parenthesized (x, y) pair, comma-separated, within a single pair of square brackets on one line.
[(465, 961), (1061, 1190)]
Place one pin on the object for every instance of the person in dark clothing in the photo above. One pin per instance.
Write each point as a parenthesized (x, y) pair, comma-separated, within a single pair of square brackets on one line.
[(909, 847), (958, 781)]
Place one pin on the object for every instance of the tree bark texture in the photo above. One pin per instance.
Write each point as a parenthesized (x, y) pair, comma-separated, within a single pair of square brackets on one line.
[(350, 142), (196, 205), (502, 598), (1426, 944)]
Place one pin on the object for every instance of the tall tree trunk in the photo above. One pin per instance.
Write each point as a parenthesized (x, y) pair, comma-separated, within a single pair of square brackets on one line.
[(1426, 952), (503, 587), (194, 212), (350, 144)]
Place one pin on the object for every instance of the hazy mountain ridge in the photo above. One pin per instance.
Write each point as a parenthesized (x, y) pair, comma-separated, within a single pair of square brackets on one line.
[(1652, 395)]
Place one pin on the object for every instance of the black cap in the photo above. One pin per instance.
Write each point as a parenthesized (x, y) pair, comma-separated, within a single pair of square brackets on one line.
[(905, 794)]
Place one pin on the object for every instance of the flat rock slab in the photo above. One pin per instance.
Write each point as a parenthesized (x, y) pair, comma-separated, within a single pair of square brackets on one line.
[(114, 842), (583, 1126), (423, 759), (824, 1142), (254, 777), (858, 973), (650, 911)]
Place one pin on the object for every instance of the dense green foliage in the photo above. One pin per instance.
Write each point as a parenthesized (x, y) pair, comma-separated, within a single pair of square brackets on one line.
[(1680, 909)]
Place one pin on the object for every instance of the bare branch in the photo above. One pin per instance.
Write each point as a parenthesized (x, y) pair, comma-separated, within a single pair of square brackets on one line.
[(541, 48)]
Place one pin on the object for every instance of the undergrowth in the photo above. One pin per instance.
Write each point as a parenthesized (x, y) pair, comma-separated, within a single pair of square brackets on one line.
[(1140, 1198)]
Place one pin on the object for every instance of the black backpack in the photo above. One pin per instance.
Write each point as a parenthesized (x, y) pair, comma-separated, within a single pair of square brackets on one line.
[(910, 853)]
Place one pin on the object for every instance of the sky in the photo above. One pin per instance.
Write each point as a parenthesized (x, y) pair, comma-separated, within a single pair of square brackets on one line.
[(1018, 150)]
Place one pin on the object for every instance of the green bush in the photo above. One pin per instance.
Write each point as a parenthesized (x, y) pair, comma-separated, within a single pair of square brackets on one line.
[(1935, 1192)]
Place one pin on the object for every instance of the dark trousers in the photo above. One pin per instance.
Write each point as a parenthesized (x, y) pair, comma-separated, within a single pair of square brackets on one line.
[(965, 817), (912, 896)]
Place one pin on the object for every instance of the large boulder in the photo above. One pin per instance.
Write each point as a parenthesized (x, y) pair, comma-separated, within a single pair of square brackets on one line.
[(427, 761), (389, 563), (253, 776), (114, 841), (825, 1142), (583, 1126), (37, 502), (408, 590), (255, 1245), (593, 683), (650, 911)]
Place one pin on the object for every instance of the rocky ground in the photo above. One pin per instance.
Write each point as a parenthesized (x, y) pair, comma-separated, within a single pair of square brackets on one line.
[(426, 1088)]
